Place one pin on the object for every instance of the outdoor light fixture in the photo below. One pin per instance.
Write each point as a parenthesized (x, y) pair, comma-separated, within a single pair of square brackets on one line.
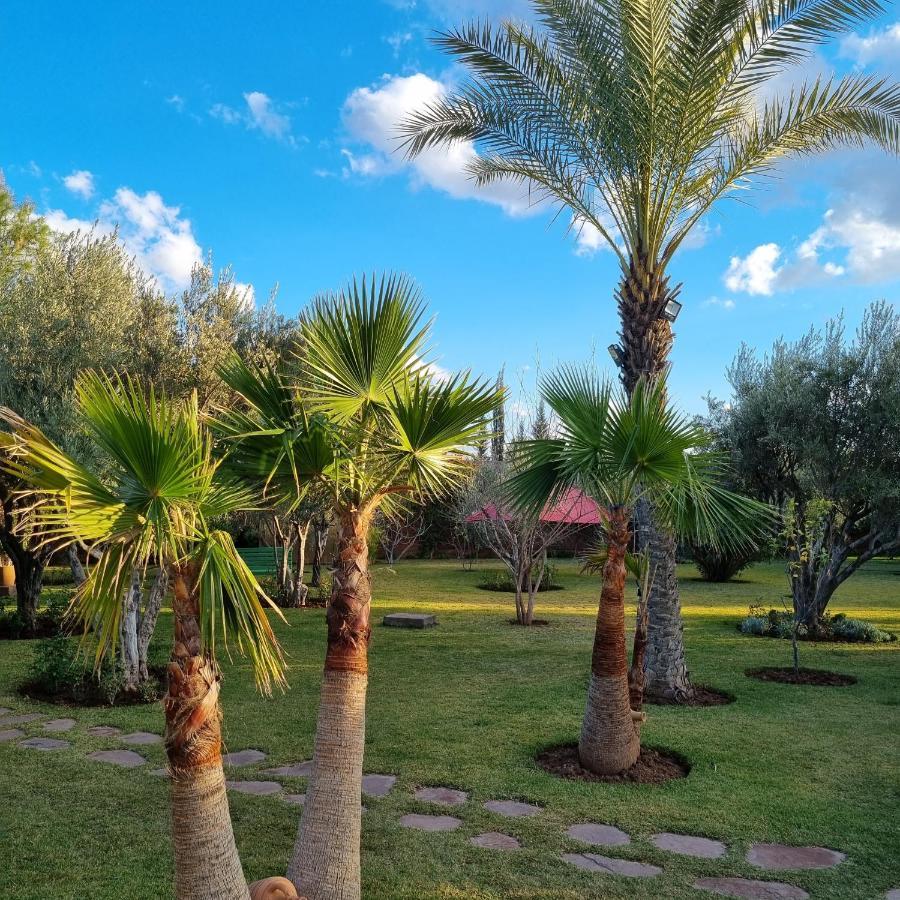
[(672, 308), (616, 353)]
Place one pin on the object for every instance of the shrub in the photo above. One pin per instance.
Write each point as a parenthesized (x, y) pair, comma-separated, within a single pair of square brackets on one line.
[(779, 623), (48, 622), (58, 575), (721, 565), (502, 580)]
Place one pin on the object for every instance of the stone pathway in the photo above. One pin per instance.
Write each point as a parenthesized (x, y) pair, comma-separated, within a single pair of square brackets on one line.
[(770, 857)]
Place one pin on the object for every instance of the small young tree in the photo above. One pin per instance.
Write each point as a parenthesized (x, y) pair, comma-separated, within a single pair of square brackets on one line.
[(816, 424), (399, 533)]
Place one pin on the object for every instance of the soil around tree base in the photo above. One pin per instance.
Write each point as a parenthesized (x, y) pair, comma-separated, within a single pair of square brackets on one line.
[(703, 696), (654, 766), (787, 675), (531, 623)]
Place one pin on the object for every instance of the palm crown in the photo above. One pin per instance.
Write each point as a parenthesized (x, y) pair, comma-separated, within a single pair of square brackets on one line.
[(639, 116), (157, 500)]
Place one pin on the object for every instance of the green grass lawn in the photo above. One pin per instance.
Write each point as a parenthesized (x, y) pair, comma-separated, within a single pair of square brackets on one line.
[(467, 705)]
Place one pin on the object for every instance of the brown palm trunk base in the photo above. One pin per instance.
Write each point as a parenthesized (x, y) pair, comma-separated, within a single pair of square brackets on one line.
[(610, 736), (325, 864), (207, 866)]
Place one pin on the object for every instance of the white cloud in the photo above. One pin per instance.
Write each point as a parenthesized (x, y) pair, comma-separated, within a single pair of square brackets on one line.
[(371, 116), (755, 273), (261, 115), (726, 303), (878, 46), (397, 40), (177, 101), (161, 240), (80, 182)]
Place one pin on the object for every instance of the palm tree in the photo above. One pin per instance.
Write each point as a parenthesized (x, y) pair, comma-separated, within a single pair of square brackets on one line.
[(619, 450), (364, 419), (156, 502), (637, 118)]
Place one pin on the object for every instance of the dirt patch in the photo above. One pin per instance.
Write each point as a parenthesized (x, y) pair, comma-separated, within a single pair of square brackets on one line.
[(787, 675), (653, 766), (703, 696), (534, 622)]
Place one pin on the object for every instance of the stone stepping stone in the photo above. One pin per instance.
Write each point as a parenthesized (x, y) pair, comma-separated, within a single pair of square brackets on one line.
[(4, 710), (296, 770), (104, 731), (512, 809), (593, 862), (256, 788), (495, 840), (60, 725), (141, 738), (430, 823), (127, 759), (893, 894), (689, 845), (39, 743), (783, 856), (441, 796), (378, 785), (409, 620), (602, 835), (243, 758), (296, 799), (10, 734), (750, 889), (159, 773), (22, 720)]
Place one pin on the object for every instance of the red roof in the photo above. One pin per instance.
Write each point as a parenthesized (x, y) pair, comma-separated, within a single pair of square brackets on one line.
[(573, 508)]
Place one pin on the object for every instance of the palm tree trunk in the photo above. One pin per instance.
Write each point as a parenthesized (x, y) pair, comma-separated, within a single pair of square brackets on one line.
[(207, 866), (325, 863), (646, 340), (610, 740)]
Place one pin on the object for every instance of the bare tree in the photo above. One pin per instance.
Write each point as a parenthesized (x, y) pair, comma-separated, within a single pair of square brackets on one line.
[(400, 533)]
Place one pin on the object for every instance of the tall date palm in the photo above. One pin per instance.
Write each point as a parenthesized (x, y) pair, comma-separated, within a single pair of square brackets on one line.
[(156, 503), (363, 420), (638, 117), (619, 450)]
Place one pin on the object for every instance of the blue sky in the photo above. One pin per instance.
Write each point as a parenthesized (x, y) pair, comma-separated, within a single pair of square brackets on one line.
[(263, 132)]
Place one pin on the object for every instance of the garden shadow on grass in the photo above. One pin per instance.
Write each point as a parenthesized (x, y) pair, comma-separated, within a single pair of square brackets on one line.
[(655, 765), (787, 675), (704, 695)]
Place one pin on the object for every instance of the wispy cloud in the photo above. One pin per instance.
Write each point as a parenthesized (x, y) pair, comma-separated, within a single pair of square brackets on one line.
[(81, 183), (260, 113)]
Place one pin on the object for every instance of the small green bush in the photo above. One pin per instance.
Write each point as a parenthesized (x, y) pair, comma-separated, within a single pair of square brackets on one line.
[(779, 623), (502, 580), (55, 576), (49, 620)]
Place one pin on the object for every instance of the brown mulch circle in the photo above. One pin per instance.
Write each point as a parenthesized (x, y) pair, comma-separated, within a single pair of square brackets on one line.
[(653, 766), (533, 622), (703, 696), (787, 675)]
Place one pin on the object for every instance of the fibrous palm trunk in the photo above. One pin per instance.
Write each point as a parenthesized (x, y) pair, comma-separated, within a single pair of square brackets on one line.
[(325, 863), (647, 338), (610, 737), (207, 866)]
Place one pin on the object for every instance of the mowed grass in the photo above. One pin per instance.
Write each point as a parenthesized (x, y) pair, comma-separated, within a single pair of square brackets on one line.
[(467, 705)]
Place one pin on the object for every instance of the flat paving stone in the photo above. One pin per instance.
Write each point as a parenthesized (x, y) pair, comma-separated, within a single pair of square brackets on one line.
[(57, 725), (893, 894), (783, 856), (512, 809), (593, 862), (127, 759), (10, 734), (256, 788), (104, 731), (430, 823), (243, 758), (159, 773), (689, 845), (409, 620), (141, 738), (602, 835), (378, 785), (495, 840), (39, 743), (296, 799), (442, 796), (4, 710), (24, 719), (295, 770), (750, 889)]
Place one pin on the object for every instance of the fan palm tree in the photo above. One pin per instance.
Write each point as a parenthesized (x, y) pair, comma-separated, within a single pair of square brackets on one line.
[(156, 504), (363, 419), (638, 117), (619, 450)]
